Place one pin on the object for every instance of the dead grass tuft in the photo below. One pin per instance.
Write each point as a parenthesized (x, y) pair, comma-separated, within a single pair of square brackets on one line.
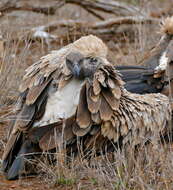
[(148, 168)]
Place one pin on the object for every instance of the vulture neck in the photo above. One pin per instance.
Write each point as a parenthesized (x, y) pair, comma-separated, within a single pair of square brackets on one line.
[(62, 104), (155, 55), (162, 62)]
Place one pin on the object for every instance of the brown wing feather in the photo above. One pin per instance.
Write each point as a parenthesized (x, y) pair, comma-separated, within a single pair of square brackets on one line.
[(35, 92), (80, 131), (96, 118), (121, 112), (110, 98), (97, 109), (83, 116), (10, 144), (24, 118), (105, 110), (60, 133), (93, 106), (96, 87)]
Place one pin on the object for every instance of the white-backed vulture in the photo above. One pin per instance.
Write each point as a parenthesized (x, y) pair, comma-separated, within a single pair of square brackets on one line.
[(76, 96), (156, 54), (151, 77)]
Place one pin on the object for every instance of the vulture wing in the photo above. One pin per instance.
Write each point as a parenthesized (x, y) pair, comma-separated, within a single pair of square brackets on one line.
[(40, 79), (141, 79), (35, 87)]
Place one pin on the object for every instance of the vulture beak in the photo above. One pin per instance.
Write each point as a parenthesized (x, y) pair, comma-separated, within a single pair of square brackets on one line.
[(76, 70), (74, 63)]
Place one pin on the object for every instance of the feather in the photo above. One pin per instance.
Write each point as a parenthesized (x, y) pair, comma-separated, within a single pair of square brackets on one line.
[(35, 92), (94, 130), (111, 83), (10, 145), (59, 134), (96, 87), (93, 107), (109, 97), (24, 118), (18, 164), (83, 115), (92, 96), (96, 118), (101, 78), (105, 110), (116, 92), (80, 131), (109, 131)]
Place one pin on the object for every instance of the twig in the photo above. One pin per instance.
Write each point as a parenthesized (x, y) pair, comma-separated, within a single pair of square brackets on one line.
[(115, 7), (47, 10)]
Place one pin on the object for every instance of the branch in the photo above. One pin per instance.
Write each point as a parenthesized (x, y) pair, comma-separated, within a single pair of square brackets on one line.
[(15, 5), (124, 20), (104, 29), (100, 24), (115, 7)]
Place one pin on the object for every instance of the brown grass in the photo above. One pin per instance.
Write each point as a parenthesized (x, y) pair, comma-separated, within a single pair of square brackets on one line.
[(148, 168)]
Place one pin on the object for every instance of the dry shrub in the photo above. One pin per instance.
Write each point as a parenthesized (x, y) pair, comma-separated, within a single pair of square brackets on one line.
[(12, 69), (149, 167)]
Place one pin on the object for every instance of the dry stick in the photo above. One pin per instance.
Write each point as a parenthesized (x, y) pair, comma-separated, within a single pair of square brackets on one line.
[(90, 10), (114, 7), (47, 10), (165, 11), (100, 24)]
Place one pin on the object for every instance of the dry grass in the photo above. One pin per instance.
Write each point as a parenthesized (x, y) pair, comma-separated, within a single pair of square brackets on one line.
[(148, 168)]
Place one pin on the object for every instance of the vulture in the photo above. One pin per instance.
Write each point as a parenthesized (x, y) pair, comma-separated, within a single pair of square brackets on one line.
[(164, 67), (157, 54), (151, 77), (75, 98)]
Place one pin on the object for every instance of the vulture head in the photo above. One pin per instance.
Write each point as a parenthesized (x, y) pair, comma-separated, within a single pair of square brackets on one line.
[(81, 66), (85, 56), (167, 26)]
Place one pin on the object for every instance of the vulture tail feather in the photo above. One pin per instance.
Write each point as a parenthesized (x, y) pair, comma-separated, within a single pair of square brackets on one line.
[(18, 164)]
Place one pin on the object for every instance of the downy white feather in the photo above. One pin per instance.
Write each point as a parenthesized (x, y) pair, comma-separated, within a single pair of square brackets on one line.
[(162, 62), (62, 103)]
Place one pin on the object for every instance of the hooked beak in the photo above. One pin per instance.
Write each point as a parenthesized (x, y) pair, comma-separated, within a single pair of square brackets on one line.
[(76, 70)]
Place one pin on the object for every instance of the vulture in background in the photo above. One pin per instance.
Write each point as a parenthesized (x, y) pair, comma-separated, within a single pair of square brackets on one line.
[(151, 77), (75, 98), (157, 54)]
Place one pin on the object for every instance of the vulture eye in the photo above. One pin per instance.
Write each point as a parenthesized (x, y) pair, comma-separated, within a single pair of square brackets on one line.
[(93, 60), (68, 62)]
